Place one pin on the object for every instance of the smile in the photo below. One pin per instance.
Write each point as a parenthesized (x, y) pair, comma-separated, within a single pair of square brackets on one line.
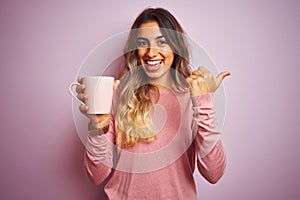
[(153, 62), (153, 65)]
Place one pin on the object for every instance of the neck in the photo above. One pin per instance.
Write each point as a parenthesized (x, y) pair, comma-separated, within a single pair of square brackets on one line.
[(163, 83)]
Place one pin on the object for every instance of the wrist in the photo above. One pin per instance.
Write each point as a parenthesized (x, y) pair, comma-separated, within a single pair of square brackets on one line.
[(98, 128), (203, 100)]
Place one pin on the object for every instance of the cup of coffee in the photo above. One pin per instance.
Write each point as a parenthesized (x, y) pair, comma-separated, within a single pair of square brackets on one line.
[(99, 90)]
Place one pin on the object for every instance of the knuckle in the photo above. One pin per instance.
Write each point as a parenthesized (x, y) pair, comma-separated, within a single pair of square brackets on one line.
[(207, 76), (82, 108), (80, 88), (81, 96), (194, 82), (200, 78)]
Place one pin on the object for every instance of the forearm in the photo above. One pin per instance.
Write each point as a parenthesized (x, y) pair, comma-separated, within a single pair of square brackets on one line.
[(98, 158), (211, 159), (97, 172), (213, 165)]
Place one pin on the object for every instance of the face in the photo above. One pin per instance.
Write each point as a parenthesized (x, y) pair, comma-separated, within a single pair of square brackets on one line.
[(154, 53)]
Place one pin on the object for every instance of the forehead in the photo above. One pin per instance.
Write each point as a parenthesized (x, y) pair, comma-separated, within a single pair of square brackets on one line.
[(149, 30)]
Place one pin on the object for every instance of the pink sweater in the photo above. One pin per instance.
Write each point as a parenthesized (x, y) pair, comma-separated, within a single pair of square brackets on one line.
[(163, 169)]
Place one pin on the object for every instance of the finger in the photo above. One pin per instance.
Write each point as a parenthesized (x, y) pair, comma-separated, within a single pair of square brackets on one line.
[(83, 109), (103, 118), (98, 118), (192, 76), (93, 118), (80, 88), (194, 80), (116, 84), (82, 97), (221, 77), (189, 80), (203, 69), (79, 79), (197, 72)]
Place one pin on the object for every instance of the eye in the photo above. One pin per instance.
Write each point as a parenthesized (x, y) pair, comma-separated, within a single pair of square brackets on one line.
[(142, 43), (162, 42)]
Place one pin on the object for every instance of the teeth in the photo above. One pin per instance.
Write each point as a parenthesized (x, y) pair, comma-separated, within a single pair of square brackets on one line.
[(153, 62)]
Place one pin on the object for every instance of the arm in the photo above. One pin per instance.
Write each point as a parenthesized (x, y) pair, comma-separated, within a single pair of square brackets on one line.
[(211, 158), (98, 158)]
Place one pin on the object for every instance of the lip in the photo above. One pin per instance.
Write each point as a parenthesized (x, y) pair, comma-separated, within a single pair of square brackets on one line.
[(153, 62), (157, 64)]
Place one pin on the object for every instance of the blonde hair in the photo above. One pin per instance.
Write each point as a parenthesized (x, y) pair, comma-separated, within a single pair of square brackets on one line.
[(136, 95)]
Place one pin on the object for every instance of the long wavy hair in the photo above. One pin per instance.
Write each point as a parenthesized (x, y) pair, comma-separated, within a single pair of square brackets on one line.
[(133, 122)]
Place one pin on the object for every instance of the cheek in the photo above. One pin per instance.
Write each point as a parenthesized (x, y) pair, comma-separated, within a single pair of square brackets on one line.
[(169, 58), (140, 55)]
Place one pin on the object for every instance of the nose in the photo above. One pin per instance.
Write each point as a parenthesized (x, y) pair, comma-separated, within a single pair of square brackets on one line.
[(152, 52)]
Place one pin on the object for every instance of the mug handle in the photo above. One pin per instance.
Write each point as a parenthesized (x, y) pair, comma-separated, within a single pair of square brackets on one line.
[(70, 90)]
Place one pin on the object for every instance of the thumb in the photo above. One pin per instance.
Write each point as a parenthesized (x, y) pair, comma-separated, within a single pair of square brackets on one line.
[(220, 77)]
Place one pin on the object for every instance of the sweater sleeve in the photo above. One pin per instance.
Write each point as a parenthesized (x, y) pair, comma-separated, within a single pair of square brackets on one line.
[(98, 158), (211, 158)]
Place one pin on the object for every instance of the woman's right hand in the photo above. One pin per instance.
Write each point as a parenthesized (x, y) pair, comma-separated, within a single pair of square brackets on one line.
[(81, 96), (96, 120)]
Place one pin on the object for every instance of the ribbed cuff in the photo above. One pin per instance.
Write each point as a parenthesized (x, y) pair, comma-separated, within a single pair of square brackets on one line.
[(204, 100)]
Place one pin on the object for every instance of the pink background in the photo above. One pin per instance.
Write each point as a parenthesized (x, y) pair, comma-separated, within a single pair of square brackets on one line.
[(43, 44)]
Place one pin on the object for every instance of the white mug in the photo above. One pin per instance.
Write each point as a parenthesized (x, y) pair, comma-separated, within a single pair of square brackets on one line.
[(99, 90)]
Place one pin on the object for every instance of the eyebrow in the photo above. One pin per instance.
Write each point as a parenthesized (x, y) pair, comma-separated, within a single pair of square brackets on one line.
[(158, 37)]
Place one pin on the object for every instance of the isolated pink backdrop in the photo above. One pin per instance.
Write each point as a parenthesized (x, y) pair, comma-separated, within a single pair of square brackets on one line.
[(43, 44)]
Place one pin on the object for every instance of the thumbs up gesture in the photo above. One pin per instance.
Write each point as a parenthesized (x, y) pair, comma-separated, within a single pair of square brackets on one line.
[(202, 81)]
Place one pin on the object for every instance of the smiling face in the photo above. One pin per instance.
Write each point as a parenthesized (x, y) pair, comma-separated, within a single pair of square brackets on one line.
[(154, 53)]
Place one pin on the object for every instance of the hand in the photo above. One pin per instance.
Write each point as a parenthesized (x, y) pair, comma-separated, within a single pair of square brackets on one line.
[(96, 121), (202, 81)]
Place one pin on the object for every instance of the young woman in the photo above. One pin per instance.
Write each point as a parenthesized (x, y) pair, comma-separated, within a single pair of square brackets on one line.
[(162, 123)]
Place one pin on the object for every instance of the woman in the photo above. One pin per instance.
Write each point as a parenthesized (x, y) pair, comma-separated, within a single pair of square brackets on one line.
[(162, 121)]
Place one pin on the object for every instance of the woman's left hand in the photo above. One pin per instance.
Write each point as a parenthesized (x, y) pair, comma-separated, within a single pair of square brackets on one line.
[(202, 81)]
